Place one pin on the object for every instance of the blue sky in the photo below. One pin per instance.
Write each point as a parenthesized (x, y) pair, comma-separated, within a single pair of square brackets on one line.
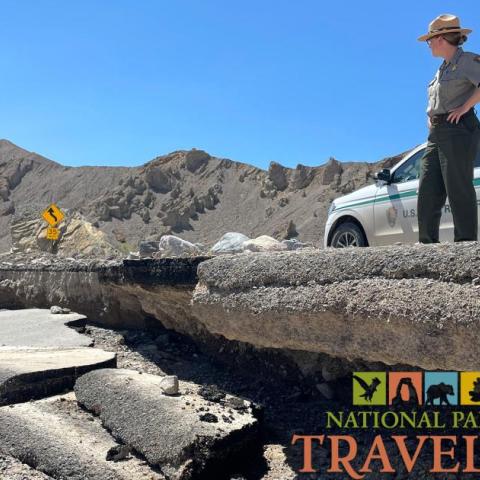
[(118, 82)]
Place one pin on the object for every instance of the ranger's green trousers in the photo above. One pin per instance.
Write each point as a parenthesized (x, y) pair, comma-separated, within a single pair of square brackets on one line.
[(447, 170)]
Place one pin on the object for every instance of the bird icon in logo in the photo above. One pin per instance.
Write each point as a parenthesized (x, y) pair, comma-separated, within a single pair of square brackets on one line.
[(369, 390)]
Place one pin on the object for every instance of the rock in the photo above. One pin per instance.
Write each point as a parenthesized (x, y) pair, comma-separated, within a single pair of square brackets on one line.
[(172, 246), (286, 231), (196, 159), (147, 249), (268, 189), (179, 220), (157, 179), (170, 437), (169, 385), (264, 243), (294, 244), (277, 175), (55, 310), (331, 171), (163, 340), (119, 236), (236, 403), (231, 242), (334, 370), (145, 214), (7, 208), (326, 390), (4, 190), (209, 417), (118, 453), (211, 393), (117, 212), (77, 236), (302, 177)]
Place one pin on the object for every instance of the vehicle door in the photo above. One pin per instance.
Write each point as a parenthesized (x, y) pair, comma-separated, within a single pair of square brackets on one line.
[(395, 206)]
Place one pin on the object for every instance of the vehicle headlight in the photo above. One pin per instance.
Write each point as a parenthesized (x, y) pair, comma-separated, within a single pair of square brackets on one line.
[(332, 208)]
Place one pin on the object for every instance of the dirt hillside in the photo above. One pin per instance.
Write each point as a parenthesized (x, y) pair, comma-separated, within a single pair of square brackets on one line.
[(186, 193)]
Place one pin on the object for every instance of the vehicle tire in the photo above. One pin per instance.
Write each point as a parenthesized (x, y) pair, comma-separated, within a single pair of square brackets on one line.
[(348, 234)]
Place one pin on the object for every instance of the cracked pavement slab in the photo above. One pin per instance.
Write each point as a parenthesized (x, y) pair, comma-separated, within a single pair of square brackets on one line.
[(184, 435), (27, 373), (56, 437), (36, 327)]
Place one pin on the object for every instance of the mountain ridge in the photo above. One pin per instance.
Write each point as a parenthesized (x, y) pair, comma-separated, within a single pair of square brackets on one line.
[(188, 193)]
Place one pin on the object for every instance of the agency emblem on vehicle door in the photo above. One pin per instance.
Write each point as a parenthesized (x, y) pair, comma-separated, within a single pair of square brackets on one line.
[(392, 214)]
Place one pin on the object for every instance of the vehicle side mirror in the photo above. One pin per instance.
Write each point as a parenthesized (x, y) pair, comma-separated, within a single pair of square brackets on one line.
[(384, 175)]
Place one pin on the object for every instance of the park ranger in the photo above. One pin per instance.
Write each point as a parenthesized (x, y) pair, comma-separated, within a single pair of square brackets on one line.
[(454, 136)]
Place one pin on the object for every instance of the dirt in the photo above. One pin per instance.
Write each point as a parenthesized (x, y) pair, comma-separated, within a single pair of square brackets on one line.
[(289, 407)]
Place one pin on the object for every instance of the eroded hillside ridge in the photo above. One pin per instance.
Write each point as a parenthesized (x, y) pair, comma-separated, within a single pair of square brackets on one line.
[(185, 192)]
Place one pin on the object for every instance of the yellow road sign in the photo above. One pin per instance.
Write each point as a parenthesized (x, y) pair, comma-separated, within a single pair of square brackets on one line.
[(53, 215), (52, 233)]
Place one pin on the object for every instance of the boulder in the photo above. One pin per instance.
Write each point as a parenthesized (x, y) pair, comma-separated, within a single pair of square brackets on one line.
[(331, 171), (148, 248), (231, 242), (56, 310), (195, 159), (172, 246), (277, 175), (286, 231), (157, 179), (263, 243), (169, 385), (294, 244), (302, 177)]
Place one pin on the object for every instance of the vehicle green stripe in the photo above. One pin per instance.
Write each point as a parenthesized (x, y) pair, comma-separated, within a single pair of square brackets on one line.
[(385, 198)]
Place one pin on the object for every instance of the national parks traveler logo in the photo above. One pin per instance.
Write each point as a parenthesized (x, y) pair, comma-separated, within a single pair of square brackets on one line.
[(409, 390), (403, 419)]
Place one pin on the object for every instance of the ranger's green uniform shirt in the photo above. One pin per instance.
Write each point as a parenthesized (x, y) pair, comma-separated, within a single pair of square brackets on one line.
[(454, 83)]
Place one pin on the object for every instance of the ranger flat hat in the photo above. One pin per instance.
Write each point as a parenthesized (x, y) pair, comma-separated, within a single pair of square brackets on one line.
[(445, 23)]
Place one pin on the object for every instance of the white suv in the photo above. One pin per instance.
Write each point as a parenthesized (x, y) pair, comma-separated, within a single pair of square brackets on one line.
[(386, 212)]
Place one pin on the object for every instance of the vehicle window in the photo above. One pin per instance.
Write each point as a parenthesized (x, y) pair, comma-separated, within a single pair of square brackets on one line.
[(410, 170)]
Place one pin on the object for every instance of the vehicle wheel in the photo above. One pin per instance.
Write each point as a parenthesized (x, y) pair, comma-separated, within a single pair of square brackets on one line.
[(348, 235)]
